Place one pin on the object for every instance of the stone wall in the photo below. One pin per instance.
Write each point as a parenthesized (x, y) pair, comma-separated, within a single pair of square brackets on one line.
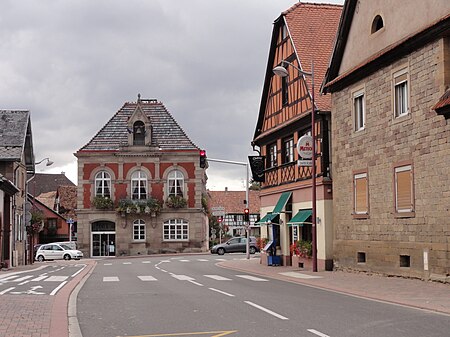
[(421, 138)]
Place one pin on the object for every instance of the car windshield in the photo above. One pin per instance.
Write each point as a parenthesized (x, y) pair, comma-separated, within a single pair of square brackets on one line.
[(66, 247)]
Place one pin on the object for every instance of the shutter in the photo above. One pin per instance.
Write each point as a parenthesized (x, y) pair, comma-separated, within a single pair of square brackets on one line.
[(404, 191), (361, 194)]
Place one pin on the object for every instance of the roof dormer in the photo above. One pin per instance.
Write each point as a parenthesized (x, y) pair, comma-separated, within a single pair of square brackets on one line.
[(139, 127)]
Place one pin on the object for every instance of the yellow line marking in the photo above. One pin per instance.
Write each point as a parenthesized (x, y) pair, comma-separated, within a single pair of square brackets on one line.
[(215, 334)]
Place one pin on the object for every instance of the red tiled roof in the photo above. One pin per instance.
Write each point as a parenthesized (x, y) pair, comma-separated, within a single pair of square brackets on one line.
[(313, 28), (48, 182), (233, 201), (444, 101), (67, 201)]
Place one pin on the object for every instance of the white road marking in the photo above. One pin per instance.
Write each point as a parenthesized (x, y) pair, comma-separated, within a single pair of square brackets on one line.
[(57, 288), (266, 310), (299, 275), (126, 263), (110, 279), (202, 260), (252, 278), (8, 278), (184, 260), (221, 292), (221, 259), (146, 262), (39, 278), (196, 283), (147, 278), (183, 277), (79, 271), (218, 277), (24, 282), (318, 333), (107, 264), (56, 279), (22, 278), (6, 290)]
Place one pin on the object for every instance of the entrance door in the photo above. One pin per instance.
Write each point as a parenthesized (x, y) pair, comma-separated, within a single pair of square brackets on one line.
[(103, 239)]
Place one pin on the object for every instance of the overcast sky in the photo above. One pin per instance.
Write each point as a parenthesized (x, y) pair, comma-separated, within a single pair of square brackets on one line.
[(74, 63)]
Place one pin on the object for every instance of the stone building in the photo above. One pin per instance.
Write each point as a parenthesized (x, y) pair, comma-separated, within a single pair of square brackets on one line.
[(389, 79), (141, 189), (302, 34)]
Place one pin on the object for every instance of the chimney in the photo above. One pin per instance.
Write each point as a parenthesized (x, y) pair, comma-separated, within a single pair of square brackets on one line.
[(226, 189)]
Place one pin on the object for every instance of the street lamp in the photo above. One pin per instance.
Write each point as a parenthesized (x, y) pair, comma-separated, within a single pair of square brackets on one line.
[(49, 162), (282, 72)]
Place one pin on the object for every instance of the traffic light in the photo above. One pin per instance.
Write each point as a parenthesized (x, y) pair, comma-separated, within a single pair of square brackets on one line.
[(246, 215), (202, 158), (219, 220)]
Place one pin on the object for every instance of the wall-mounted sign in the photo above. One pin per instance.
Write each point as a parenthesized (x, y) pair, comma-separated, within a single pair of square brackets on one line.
[(304, 147)]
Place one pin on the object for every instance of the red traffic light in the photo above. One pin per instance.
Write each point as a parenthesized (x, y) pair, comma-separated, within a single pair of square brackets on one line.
[(202, 153), (246, 214), (219, 219), (202, 158)]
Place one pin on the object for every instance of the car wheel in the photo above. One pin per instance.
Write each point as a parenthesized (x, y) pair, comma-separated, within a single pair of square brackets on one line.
[(220, 251), (67, 257), (40, 258), (252, 250)]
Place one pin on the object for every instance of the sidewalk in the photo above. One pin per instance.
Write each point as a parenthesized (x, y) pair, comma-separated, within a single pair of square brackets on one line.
[(410, 292)]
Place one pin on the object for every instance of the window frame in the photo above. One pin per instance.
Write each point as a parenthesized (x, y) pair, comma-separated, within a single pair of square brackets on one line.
[(138, 138), (364, 213), (103, 180), (399, 169), (288, 150), (178, 183), (142, 177), (141, 234), (401, 78), (359, 111), (175, 228), (272, 155)]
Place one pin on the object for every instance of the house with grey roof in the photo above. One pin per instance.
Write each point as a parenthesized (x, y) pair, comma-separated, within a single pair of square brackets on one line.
[(16, 161), (141, 189)]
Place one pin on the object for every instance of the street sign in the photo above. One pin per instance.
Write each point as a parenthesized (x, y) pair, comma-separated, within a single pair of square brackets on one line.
[(301, 162), (218, 213)]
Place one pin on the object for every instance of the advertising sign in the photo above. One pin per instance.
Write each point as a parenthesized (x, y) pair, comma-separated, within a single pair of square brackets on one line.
[(304, 147)]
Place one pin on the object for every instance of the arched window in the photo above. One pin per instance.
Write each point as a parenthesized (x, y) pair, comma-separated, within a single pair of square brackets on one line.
[(138, 133), (139, 185), (103, 184), (139, 230), (176, 230), (377, 24), (176, 183)]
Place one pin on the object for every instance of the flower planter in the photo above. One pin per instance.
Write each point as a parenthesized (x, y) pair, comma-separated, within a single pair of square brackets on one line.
[(304, 263), (263, 258)]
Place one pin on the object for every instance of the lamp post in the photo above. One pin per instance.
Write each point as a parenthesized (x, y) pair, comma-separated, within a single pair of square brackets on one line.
[(282, 72), (49, 162)]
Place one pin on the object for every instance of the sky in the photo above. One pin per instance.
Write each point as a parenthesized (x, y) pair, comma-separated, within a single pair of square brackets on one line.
[(74, 63)]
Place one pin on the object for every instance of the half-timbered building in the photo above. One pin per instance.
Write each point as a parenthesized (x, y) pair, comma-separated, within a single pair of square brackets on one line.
[(302, 35)]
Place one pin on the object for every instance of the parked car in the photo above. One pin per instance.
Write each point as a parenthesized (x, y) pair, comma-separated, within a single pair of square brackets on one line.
[(236, 245), (55, 251)]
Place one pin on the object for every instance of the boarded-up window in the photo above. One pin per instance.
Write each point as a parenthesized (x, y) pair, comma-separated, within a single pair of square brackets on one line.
[(361, 193), (404, 200)]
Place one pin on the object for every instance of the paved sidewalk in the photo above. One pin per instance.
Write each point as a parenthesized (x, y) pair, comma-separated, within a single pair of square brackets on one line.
[(432, 296), (37, 315)]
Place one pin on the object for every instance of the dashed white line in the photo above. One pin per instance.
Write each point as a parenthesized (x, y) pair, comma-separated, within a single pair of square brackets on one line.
[(6, 290), (57, 288), (221, 292), (110, 279), (318, 333), (56, 279), (146, 262), (147, 278), (23, 278), (39, 278), (79, 271), (218, 277), (266, 310), (126, 263), (196, 283), (107, 264), (252, 278), (202, 260)]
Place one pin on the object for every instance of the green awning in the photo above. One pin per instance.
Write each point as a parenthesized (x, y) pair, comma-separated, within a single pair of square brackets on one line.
[(268, 219), (300, 217), (282, 202)]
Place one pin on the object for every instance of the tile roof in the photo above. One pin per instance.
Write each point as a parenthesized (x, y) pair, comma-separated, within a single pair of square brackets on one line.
[(313, 28), (444, 101), (166, 133), (233, 201), (13, 131), (48, 182), (48, 199), (67, 201)]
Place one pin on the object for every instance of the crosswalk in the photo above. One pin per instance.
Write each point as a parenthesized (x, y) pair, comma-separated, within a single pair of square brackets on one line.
[(188, 278)]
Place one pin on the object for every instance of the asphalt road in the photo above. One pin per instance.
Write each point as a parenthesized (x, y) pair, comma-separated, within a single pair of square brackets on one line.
[(191, 296)]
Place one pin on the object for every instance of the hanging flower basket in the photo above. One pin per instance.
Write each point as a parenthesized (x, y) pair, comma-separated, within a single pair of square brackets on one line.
[(176, 201), (101, 202), (150, 206)]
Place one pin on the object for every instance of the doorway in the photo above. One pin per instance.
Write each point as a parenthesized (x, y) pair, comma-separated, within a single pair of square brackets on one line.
[(103, 239)]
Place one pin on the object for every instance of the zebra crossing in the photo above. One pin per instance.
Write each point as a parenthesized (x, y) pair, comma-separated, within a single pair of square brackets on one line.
[(147, 278)]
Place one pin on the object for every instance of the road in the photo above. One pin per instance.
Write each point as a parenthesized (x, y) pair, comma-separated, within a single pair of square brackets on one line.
[(191, 296)]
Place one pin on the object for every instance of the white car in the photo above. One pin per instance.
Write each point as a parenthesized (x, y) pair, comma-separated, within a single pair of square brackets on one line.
[(57, 251)]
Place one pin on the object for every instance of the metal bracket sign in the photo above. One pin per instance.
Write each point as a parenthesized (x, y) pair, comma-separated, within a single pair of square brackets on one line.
[(218, 211)]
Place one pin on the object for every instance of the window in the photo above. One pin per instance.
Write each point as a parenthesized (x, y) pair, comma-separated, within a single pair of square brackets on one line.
[(361, 200), (377, 24), (176, 183), (272, 157), (288, 153), (284, 90), (404, 199), (176, 230), (103, 184), (139, 230), (359, 110), (138, 133), (401, 94), (139, 185)]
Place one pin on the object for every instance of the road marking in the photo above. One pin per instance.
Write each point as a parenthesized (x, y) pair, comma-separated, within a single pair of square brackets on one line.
[(218, 277), (196, 283), (146, 261), (318, 333), (57, 288), (184, 260), (126, 263), (39, 278), (266, 310), (212, 333), (22, 283), (299, 275), (221, 259), (252, 278), (79, 271), (183, 277), (221, 292), (8, 278), (6, 290), (202, 260), (22, 278), (107, 264), (56, 278), (110, 279), (147, 278)]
